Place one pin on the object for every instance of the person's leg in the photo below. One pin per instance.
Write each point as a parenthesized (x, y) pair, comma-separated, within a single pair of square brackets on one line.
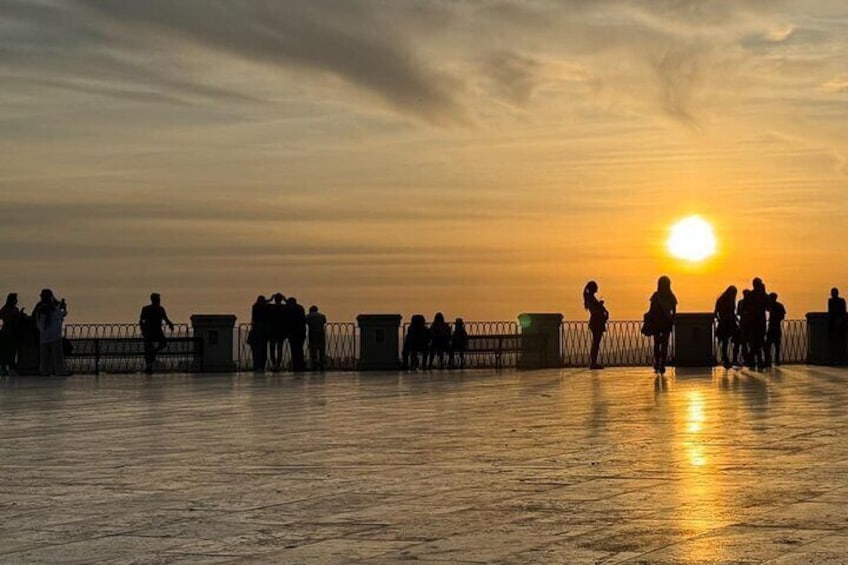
[(149, 355), (322, 352), (657, 340), (44, 359), (59, 359), (664, 337), (596, 349), (298, 361), (778, 344)]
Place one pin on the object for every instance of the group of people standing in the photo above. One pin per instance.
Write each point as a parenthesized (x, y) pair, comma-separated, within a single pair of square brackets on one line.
[(753, 326), (278, 320), (423, 345), (44, 327)]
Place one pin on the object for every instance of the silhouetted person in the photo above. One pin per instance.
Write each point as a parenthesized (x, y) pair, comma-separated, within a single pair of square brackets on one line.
[(459, 344), (260, 331), (837, 323), (151, 320), (11, 333), (598, 316), (662, 311), (416, 343), (755, 307), (440, 339), (277, 335), (774, 332), (317, 324), (745, 323), (49, 315), (727, 326), (295, 317)]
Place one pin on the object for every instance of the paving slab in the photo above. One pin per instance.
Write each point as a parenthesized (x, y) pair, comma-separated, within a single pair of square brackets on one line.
[(554, 466)]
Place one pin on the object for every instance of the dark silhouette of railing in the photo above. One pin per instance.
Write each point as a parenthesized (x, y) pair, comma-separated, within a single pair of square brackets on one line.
[(488, 359), (624, 345), (341, 340), (118, 348)]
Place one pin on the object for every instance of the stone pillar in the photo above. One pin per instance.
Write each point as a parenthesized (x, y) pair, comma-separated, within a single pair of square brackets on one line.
[(541, 343), (216, 331), (694, 343), (378, 342), (824, 348)]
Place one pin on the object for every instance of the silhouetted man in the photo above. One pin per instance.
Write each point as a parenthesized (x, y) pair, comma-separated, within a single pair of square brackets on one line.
[(277, 335), (837, 320), (774, 333), (756, 306), (151, 320), (11, 329), (295, 317), (317, 322)]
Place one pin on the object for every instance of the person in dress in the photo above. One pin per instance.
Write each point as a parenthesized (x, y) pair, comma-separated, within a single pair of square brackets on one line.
[(662, 312), (598, 317)]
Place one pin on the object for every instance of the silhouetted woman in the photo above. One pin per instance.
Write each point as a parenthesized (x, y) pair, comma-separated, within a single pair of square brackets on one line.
[(440, 339), (662, 311), (260, 319), (11, 327), (598, 316), (727, 325)]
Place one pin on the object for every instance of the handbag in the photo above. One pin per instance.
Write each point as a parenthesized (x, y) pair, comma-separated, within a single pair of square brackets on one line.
[(648, 327)]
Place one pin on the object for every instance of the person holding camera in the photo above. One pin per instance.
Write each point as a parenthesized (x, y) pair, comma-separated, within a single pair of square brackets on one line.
[(49, 315), (151, 320)]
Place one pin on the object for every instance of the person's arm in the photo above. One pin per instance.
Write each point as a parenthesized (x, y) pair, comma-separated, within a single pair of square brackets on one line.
[(167, 321)]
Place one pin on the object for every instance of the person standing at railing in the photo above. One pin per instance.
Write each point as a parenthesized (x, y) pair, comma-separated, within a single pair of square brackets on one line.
[(151, 321), (295, 317), (459, 344), (440, 339), (774, 333), (598, 317), (317, 324), (49, 315), (755, 307), (727, 326), (257, 338), (837, 324), (416, 343), (661, 314), (11, 332), (277, 335)]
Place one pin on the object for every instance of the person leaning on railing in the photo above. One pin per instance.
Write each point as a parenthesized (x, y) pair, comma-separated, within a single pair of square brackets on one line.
[(151, 319), (260, 331)]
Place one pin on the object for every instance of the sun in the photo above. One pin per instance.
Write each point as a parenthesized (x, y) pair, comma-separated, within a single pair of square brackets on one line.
[(692, 239)]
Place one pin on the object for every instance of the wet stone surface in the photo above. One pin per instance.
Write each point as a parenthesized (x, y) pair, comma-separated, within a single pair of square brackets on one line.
[(477, 467)]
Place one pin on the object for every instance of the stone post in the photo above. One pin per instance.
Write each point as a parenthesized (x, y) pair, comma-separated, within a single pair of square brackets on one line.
[(824, 348), (216, 331), (694, 343), (541, 342), (379, 342)]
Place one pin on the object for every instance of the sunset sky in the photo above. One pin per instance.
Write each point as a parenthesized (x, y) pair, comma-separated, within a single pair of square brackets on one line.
[(482, 158)]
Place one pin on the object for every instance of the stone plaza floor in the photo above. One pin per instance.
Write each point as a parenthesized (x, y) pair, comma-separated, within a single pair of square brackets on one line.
[(477, 467)]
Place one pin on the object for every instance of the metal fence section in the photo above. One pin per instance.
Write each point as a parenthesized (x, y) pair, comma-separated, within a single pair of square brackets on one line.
[(485, 359), (177, 356), (341, 348), (624, 345)]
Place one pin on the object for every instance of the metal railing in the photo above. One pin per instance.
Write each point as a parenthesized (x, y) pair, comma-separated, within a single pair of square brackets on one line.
[(118, 357), (480, 359), (624, 344), (341, 348)]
